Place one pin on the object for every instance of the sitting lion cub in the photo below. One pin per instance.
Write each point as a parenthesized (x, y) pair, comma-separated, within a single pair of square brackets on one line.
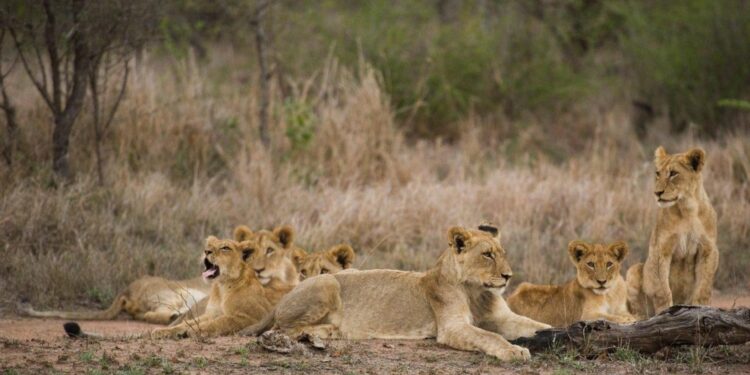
[(458, 301), (597, 292), (682, 254), (237, 298)]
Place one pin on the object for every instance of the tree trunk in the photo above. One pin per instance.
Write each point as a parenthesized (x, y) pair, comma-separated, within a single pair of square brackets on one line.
[(11, 125), (676, 326), (65, 119), (261, 44)]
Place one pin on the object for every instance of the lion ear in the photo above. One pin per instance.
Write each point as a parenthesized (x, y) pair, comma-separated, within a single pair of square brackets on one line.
[(242, 233), (344, 255), (577, 249), (660, 153), (298, 256), (457, 238), (696, 158), (620, 249), (247, 251), (285, 235), (491, 229)]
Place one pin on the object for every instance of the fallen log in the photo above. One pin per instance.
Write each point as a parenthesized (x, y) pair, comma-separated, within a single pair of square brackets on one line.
[(676, 326)]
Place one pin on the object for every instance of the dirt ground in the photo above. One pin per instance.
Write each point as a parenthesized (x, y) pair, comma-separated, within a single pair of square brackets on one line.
[(40, 346)]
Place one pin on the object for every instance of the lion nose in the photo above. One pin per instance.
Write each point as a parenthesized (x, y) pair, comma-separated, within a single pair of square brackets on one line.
[(601, 282), (507, 276), (659, 193), (259, 270)]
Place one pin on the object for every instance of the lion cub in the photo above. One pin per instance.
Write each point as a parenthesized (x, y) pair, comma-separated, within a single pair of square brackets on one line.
[(273, 258), (597, 292), (459, 301), (237, 298), (682, 254), (331, 260)]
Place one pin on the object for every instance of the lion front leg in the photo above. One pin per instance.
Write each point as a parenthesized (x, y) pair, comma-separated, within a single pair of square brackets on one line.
[(465, 336), (182, 329), (656, 275), (614, 318), (706, 264), (509, 324)]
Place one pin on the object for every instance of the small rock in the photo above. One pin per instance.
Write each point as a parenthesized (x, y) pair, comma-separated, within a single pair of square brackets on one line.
[(389, 346)]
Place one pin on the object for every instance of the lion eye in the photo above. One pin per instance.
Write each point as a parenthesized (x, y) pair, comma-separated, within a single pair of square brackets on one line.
[(225, 248), (590, 264), (657, 173), (324, 271), (609, 264), (489, 255), (269, 251), (303, 272), (673, 174)]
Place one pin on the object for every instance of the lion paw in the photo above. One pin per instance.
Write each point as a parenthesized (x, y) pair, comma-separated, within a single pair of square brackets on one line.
[(515, 352)]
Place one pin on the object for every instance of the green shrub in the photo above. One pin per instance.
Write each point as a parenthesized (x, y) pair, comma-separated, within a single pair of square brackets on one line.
[(690, 55)]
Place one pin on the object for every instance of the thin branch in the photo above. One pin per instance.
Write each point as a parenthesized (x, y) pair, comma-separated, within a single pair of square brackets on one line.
[(119, 97), (41, 87)]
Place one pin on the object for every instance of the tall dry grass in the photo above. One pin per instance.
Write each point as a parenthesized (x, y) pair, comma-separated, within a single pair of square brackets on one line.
[(183, 162)]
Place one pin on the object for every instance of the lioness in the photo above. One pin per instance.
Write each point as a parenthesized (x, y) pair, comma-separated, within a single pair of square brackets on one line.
[(149, 298), (458, 301), (597, 292), (237, 298), (332, 260), (682, 255)]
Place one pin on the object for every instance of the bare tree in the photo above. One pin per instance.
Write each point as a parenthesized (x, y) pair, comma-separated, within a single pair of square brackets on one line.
[(261, 44), (65, 90), (60, 44), (6, 105)]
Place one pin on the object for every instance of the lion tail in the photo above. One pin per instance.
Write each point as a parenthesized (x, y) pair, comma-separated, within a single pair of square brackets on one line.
[(110, 313), (263, 325)]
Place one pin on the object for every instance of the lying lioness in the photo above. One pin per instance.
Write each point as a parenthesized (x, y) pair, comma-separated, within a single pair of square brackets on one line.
[(597, 292), (458, 301), (149, 298)]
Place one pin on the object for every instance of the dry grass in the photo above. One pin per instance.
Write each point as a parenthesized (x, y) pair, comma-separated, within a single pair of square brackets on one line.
[(183, 162)]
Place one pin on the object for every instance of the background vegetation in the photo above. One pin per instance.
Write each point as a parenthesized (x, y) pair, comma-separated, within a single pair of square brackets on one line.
[(389, 122)]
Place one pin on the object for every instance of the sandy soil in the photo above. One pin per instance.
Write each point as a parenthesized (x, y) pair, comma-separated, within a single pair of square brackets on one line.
[(36, 345)]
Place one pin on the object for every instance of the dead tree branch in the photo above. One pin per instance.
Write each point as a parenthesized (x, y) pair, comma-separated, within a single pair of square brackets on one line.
[(679, 325)]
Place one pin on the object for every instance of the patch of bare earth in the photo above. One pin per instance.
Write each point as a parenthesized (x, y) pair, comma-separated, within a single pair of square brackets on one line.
[(35, 345)]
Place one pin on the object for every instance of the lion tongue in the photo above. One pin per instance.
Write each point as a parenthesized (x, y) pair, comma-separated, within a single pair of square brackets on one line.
[(209, 273)]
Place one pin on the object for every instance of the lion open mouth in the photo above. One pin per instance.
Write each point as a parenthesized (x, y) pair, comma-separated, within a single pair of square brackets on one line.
[(212, 270)]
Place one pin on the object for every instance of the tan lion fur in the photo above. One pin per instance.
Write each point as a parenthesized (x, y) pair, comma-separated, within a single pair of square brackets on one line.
[(331, 260), (237, 298), (597, 292), (151, 299), (458, 301), (682, 255)]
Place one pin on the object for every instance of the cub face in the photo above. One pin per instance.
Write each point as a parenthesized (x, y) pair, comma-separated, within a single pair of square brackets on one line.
[(332, 260), (597, 265), (677, 175), (223, 259), (481, 258), (272, 254)]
